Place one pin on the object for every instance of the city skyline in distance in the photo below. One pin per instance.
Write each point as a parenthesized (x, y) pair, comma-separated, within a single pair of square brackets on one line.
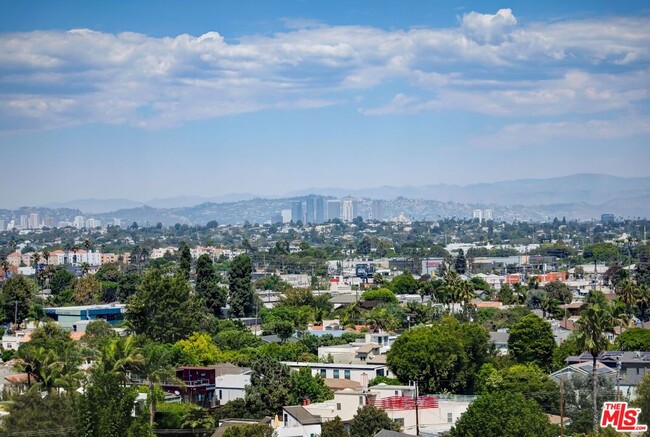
[(139, 102)]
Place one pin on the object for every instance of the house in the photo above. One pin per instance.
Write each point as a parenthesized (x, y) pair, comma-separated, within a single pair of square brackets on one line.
[(197, 385), (500, 341), (13, 341), (298, 422), (361, 373), (633, 366), (209, 385)]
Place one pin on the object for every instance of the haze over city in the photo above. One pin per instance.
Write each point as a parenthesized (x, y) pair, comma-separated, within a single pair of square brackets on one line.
[(206, 98)]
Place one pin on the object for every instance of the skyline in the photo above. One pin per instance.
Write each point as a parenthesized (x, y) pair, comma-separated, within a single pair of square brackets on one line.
[(272, 97)]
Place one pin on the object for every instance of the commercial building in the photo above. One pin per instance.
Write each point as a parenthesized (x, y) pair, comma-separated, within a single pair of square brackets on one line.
[(377, 210), (67, 317), (349, 209), (296, 212), (333, 209)]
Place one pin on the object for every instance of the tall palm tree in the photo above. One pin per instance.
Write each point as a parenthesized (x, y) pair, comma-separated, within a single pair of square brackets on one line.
[(643, 300), (627, 291), (37, 258), (520, 293), (452, 285), (595, 322), (46, 256), (466, 292), (157, 369), (75, 249)]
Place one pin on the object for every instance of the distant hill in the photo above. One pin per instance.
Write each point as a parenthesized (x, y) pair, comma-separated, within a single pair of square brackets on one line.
[(587, 188), (96, 206)]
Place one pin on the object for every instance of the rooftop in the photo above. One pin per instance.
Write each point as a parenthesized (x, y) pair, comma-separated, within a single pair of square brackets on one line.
[(302, 415)]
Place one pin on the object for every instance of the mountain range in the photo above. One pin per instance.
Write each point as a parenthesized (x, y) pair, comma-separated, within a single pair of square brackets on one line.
[(619, 193)]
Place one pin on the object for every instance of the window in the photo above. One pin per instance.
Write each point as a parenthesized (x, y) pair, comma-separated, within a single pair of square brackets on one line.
[(396, 392), (360, 400), (450, 417), (323, 373), (338, 406), (336, 373), (220, 395), (346, 374)]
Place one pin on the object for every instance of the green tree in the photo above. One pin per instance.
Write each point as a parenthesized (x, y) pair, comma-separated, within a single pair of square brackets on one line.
[(559, 291), (333, 428), (528, 380), (241, 297), (444, 357), (460, 264), (105, 407), (369, 420), (156, 369), (33, 414), (98, 332), (503, 414), (199, 350), (403, 284), (601, 252), (62, 280), (381, 294), (249, 431), (305, 386), (633, 339), (185, 261), (16, 298), (164, 308), (86, 290), (569, 347), (643, 399), (531, 342), (270, 387), (207, 285)]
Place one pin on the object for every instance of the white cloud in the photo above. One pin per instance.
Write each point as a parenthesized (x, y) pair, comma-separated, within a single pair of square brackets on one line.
[(487, 28), (489, 64)]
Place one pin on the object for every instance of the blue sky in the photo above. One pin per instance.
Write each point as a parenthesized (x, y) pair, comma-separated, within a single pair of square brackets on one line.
[(140, 99)]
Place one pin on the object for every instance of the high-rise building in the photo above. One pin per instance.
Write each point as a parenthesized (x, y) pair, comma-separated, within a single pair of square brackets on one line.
[(32, 222), (349, 209), (310, 216), (296, 211), (377, 210), (79, 222), (320, 210), (487, 214), (478, 214), (333, 209), (23, 221), (276, 218), (117, 222), (286, 215)]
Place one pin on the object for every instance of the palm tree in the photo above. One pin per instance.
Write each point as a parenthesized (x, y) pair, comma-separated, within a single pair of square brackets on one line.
[(466, 292), (595, 322), (157, 369), (643, 300), (46, 256), (85, 267), (628, 292), (520, 293), (37, 258), (75, 249), (452, 286), (87, 244), (121, 356)]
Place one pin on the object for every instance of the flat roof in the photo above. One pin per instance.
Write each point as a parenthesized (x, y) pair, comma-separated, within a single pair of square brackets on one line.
[(87, 307)]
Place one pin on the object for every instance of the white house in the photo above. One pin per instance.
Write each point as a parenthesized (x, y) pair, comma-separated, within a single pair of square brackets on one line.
[(361, 373), (298, 422), (229, 387)]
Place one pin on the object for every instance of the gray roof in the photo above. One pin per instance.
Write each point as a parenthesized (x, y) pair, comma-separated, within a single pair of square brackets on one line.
[(499, 337), (387, 433), (302, 415), (344, 299)]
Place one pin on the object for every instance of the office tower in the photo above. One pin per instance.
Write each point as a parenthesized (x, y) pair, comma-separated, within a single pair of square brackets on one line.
[(320, 210), (487, 214), (311, 209), (333, 209), (286, 215), (296, 211), (117, 222), (377, 210), (32, 222), (349, 209), (23, 221), (276, 218), (478, 214)]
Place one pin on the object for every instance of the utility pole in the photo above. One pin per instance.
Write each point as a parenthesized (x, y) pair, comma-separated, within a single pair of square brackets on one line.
[(561, 407), (417, 414), (618, 379), (16, 315)]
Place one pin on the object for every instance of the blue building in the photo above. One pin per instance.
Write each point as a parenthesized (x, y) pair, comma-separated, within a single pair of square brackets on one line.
[(67, 317)]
